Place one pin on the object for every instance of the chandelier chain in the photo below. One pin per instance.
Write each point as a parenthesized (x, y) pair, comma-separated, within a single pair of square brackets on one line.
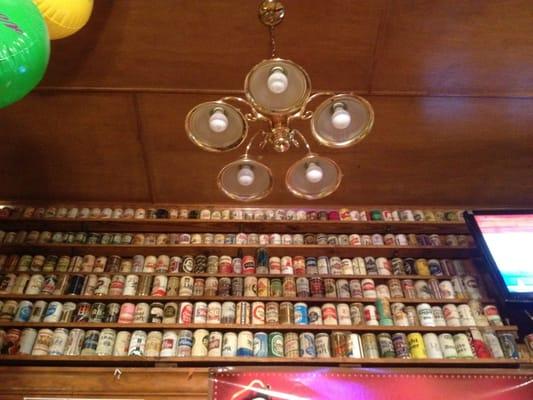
[(273, 42)]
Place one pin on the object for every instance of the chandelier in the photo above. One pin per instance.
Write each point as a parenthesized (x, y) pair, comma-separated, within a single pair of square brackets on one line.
[(277, 92)]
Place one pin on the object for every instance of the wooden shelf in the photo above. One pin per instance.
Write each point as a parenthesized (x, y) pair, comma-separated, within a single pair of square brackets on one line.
[(233, 250), (239, 327), (311, 300), (231, 226), (218, 361), (220, 275)]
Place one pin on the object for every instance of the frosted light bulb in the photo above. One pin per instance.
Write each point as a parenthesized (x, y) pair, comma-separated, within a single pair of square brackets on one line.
[(245, 176), (277, 81), (340, 118), (314, 173), (218, 122)]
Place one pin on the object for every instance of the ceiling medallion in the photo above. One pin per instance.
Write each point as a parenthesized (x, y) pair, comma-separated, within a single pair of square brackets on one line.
[(278, 91)]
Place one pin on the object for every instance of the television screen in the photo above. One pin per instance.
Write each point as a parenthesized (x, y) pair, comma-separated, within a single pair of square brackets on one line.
[(506, 239)]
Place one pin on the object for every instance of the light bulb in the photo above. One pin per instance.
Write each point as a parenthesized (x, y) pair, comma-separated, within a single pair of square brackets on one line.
[(340, 118), (277, 81), (314, 173), (245, 176), (218, 122)]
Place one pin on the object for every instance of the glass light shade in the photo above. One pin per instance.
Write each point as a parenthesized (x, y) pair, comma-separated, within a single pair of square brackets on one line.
[(258, 88), (334, 130), (299, 184), (237, 183), (202, 122)]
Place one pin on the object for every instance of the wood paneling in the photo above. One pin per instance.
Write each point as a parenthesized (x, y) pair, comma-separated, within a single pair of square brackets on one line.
[(134, 383), (62, 146), (213, 44), (457, 47)]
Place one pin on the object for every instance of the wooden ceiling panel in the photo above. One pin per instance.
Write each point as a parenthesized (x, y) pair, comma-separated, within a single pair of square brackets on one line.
[(181, 44), (422, 151), (457, 47), (71, 147)]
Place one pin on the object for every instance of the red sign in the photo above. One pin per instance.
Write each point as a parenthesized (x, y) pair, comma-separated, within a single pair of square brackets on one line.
[(368, 384)]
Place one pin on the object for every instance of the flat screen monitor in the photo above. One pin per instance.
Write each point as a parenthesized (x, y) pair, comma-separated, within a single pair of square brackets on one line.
[(505, 238)]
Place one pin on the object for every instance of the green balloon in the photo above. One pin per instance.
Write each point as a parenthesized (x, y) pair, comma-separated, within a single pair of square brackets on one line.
[(24, 49)]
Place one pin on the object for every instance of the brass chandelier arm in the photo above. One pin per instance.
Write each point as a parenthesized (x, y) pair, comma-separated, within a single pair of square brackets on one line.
[(296, 132), (304, 113), (252, 116), (251, 141)]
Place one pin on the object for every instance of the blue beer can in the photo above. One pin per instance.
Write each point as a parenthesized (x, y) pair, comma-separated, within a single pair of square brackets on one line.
[(307, 345), (300, 314), (260, 344)]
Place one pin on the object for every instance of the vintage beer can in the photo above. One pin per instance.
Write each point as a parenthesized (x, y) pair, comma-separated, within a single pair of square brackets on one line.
[(432, 345), (451, 314), (422, 290), (258, 313), (462, 345), (229, 344), (417, 348), (185, 341), (245, 344), (343, 314), (289, 287), (23, 311), (316, 286), (339, 344), (386, 346), (275, 344), (186, 286), (300, 314), (153, 344), (53, 312), (355, 346), (185, 314), (263, 287), (243, 314), (382, 291), (112, 312), (370, 345), (130, 285), (508, 345), (173, 286), (438, 316), (343, 288), (477, 312), (224, 286), (250, 286), (465, 315), (102, 286), (447, 345), (214, 312), (478, 344), (211, 286), (491, 312), (228, 315), (458, 287), (272, 313), (401, 346), (260, 347), (369, 288), (26, 341), (127, 312), (472, 288), (97, 312), (329, 314), (214, 344), (286, 313), (425, 314), (384, 312), (38, 310), (156, 313), (43, 341), (302, 287), (106, 342), (290, 345), (169, 344), (137, 343), (141, 314), (493, 344), (370, 315), (34, 286), (322, 345)]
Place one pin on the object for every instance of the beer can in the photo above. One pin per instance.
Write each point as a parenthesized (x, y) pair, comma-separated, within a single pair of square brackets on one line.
[(382, 291), (370, 315), (156, 313), (186, 312), (159, 287), (343, 288), (23, 311), (27, 339), (260, 347), (141, 314), (477, 312), (169, 344), (401, 346), (130, 285), (263, 287), (153, 344), (339, 344), (472, 288), (272, 313), (137, 343), (185, 341), (112, 312), (289, 287), (274, 265), (386, 346), (465, 315), (446, 290), (229, 344), (370, 345), (290, 345), (432, 345), (106, 342), (301, 314), (42, 342), (438, 316), (258, 313), (369, 288), (384, 312), (173, 286), (491, 312), (508, 345), (186, 286), (478, 343), (286, 313), (462, 345), (425, 314), (323, 265), (335, 266), (355, 345), (224, 286), (302, 287), (343, 314), (458, 287), (228, 315), (127, 312), (316, 286), (422, 290), (34, 286), (275, 344), (417, 348), (493, 344), (245, 344), (322, 345), (214, 345), (214, 312), (97, 313), (447, 345), (330, 288), (250, 286), (451, 314), (329, 314), (211, 286), (315, 315), (53, 312), (200, 313), (102, 286), (243, 313)]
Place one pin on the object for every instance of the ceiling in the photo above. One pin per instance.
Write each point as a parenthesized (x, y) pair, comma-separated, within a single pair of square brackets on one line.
[(451, 84)]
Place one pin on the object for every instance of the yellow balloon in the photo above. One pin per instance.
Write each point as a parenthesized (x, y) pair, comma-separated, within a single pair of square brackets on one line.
[(64, 17)]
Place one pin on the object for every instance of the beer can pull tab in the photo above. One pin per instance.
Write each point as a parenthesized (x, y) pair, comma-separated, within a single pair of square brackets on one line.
[(117, 373)]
